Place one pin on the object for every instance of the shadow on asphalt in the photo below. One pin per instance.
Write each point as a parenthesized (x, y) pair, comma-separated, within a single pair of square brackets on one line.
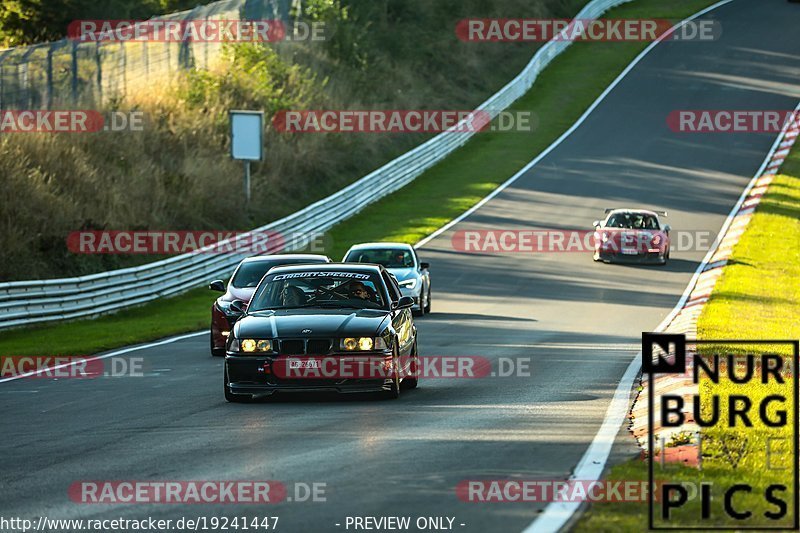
[(673, 265)]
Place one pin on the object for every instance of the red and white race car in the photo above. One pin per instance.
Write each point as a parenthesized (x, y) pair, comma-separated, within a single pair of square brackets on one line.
[(631, 236)]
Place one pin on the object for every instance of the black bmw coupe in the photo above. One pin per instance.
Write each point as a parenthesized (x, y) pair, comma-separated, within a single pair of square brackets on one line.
[(326, 327)]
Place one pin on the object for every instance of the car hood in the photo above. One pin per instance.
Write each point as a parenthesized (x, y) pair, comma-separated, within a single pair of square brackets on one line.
[(322, 323), (403, 274)]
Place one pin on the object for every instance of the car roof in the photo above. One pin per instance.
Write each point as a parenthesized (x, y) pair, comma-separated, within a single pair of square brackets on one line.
[(640, 211), (283, 257), (380, 245), (332, 267)]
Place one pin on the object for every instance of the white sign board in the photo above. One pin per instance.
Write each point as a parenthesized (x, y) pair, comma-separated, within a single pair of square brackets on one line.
[(247, 129)]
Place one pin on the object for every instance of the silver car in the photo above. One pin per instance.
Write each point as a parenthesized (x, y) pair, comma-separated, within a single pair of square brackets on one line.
[(402, 262)]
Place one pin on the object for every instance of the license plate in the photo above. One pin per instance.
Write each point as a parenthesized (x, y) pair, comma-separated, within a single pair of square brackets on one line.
[(630, 251), (296, 364)]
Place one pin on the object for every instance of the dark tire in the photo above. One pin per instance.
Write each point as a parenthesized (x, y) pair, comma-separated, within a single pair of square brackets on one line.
[(412, 383), (421, 311), (428, 302), (394, 392), (231, 397), (216, 352)]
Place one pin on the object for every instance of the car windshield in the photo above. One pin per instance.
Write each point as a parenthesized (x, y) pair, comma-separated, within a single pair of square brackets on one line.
[(632, 221), (358, 290), (250, 273), (388, 257)]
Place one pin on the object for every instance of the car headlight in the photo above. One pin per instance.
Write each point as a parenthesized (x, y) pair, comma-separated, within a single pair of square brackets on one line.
[(225, 307), (362, 344), (409, 283), (250, 345)]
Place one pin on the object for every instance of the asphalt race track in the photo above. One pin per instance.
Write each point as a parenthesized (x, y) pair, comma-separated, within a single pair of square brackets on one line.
[(577, 322)]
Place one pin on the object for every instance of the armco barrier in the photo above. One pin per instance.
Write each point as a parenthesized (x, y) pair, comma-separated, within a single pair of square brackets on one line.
[(30, 302)]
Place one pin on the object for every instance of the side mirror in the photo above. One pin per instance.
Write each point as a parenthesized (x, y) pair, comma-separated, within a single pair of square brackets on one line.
[(424, 265), (217, 285), (405, 302), (238, 307), (596, 223), (667, 228)]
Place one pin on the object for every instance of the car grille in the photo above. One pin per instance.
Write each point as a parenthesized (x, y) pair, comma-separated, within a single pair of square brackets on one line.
[(318, 346), (293, 347), (303, 347)]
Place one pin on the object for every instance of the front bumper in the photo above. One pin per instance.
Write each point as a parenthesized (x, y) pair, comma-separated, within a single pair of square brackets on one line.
[(638, 258), (257, 376)]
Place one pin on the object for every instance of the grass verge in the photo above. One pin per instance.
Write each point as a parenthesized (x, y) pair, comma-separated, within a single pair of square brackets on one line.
[(758, 297), (561, 94)]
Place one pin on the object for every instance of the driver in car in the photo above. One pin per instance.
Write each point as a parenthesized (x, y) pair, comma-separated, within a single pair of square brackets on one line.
[(400, 259), (359, 290), (293, 296)]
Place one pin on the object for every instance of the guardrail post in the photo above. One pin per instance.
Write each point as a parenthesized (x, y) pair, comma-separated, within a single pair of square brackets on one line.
[(1, 84), (123, 66), (74, 84), (205, 49), (99, 64), (23, 84), (146, 60), (49, 88)]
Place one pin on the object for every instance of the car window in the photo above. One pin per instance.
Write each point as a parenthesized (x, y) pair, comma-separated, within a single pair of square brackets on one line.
[(283, 290), (632, 221), (250, 273), (391, 284), (388, 257)]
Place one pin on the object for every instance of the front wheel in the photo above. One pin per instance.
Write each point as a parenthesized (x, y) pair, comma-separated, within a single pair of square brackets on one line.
[(428, 302), (229, 396), (421, 310), (216, 352), (394, 391), (411, 383)]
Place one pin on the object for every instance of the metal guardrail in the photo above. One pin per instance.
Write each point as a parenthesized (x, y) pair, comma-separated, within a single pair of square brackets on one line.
[(30, 302)]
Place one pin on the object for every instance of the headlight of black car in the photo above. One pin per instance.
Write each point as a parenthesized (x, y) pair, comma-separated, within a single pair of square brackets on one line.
[(250, 346), (362, 344)]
